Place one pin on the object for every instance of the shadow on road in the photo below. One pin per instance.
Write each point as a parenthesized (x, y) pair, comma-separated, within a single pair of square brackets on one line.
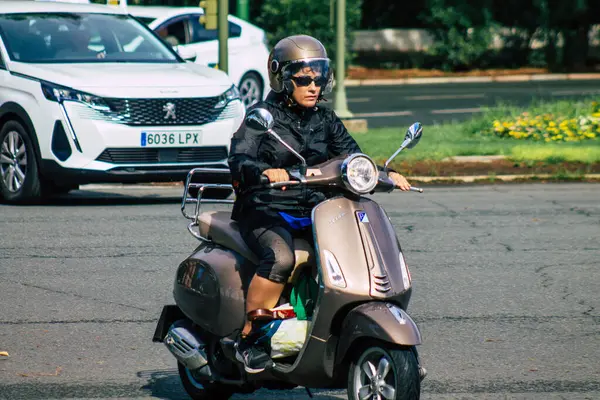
[(163, 384), (89, 198)]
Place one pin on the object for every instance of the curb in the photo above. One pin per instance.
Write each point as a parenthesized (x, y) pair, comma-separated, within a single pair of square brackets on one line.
[(503, 178), (472, 79)]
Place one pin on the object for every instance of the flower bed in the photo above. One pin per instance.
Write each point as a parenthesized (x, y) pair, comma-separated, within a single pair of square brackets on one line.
[(551, 127)]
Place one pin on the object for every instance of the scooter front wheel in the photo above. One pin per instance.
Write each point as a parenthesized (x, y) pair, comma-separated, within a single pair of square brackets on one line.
[(380, 371), (203, 390)]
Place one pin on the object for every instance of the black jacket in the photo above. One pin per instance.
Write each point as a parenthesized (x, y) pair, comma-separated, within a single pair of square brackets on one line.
[(317, 134)]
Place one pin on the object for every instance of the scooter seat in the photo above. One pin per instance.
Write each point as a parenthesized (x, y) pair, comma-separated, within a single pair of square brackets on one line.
[(221, 229)]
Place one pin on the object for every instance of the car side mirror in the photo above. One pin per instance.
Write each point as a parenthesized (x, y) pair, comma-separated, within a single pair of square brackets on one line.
[(185, 53)]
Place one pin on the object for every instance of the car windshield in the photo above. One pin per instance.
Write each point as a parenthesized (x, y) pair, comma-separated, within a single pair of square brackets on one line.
[(81, 38)]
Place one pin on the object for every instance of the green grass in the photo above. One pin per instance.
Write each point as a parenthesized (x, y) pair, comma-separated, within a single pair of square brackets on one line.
[(464, 139)]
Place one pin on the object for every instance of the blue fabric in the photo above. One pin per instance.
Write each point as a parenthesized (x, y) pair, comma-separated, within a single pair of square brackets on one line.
[(296, 223), (267, 331)]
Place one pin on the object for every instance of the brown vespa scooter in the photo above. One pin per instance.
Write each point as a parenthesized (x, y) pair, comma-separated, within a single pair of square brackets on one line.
[(360, 336)]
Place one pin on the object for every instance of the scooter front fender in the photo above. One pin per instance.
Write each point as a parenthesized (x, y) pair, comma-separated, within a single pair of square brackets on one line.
[(380, 321)]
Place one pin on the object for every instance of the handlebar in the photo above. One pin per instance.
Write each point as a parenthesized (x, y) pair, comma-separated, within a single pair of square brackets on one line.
[(264, 181)]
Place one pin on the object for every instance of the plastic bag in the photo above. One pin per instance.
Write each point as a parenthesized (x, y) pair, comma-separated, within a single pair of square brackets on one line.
[(288, 338)]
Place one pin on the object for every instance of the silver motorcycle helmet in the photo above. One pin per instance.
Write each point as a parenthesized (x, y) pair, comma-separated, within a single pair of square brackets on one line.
[(293, 54)]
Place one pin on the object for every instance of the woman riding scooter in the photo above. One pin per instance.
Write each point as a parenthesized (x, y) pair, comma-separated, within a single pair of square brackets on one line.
[(299, 76)]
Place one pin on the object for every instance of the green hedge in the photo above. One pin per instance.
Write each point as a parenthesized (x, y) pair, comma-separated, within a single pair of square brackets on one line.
[(281, 18)]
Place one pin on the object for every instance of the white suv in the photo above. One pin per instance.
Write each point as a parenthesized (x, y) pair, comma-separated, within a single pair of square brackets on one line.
[(247, 45), (90, 94)]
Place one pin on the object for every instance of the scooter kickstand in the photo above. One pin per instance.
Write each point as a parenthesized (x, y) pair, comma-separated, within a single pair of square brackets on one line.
[(309, 393)]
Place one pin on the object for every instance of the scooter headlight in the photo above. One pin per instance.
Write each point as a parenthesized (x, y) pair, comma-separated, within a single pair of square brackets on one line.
[(359, 173)]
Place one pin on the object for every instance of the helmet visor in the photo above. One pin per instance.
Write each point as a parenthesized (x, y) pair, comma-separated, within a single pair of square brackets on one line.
[(315, 67)]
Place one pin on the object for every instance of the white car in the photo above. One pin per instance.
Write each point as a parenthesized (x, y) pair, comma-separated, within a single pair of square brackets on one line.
[(79, 103), (248, 51)]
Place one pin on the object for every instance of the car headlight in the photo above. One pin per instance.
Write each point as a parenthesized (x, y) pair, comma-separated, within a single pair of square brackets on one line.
[(61, 93), (359, 173), (231, 94)]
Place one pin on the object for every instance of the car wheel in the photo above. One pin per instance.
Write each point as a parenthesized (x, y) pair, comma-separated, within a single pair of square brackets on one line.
[(384, 372), (251, 89), (19, 176)]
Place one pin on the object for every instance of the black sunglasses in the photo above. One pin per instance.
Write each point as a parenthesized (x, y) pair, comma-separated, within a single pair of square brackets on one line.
[(307, 80)]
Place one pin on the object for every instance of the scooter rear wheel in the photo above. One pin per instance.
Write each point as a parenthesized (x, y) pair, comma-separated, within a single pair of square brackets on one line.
[(383, 372), (203, 390)]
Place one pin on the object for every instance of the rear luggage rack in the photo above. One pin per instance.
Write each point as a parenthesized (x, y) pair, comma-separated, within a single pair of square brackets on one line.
[(222, 174)]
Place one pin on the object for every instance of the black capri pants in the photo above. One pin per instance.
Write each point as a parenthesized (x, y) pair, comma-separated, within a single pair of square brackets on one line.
[(274, 247)]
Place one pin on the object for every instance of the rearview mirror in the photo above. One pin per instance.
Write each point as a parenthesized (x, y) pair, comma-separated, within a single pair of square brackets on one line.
[(260, 120), (414, 133), (412, 137)]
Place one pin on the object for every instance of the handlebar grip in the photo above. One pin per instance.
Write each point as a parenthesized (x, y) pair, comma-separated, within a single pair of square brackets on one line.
[(416, 189), (282, 184), (264, 181)]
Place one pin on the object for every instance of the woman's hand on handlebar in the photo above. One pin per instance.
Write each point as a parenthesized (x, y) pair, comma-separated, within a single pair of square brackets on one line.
[(399, 181), (276, 175)]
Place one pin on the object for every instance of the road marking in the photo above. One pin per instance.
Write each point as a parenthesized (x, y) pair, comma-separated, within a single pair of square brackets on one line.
[(574, 92), (359, 100), (384, 114), (457, 111), (447, 97)]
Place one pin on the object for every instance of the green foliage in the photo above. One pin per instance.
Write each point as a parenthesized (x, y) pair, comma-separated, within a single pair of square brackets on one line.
[(462, 32), (281, 18)]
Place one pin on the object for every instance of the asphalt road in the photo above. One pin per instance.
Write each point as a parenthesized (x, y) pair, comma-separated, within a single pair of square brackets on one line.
[(505, 280), (402, 105)]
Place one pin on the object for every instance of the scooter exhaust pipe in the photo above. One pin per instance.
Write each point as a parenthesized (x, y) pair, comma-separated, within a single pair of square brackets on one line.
[(187, 348)]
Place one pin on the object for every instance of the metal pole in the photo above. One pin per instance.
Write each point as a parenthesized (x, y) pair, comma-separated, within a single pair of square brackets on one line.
[(340, 101), (223, 27), (243, 9)]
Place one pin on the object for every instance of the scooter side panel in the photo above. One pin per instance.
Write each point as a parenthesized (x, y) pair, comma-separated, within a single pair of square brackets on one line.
[(340, 227), (336, 231), (209, 289)]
